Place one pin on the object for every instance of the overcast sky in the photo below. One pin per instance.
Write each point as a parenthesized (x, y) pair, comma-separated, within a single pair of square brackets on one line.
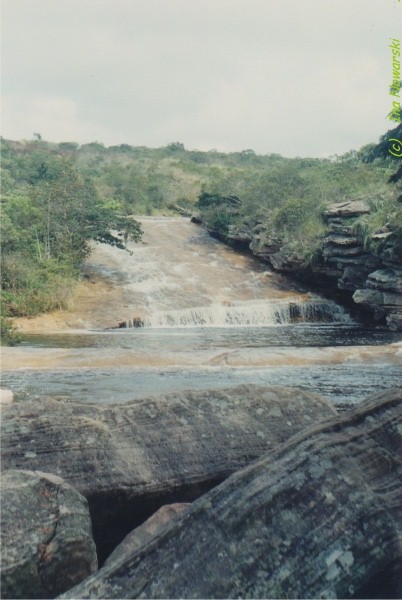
[(296, 77)]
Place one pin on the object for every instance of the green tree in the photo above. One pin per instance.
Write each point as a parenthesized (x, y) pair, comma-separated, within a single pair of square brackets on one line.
[(72, 214), (46, 233)]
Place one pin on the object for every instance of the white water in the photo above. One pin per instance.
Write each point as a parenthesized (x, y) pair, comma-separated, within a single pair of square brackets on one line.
[(264, 313), (183, 278), (211, 317)]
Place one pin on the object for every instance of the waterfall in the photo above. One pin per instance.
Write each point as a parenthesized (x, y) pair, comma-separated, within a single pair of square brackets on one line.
[(182, 278), (246, 314)]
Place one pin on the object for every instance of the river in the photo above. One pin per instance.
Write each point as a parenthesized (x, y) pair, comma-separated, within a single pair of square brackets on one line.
[(182, 310)]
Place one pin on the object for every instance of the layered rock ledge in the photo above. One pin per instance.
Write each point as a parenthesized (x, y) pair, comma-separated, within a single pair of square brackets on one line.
[(319, 517), (374, 280), (344, 268), (131, 459)]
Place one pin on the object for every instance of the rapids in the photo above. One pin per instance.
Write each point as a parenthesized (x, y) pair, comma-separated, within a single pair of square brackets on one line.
[(182, 310)]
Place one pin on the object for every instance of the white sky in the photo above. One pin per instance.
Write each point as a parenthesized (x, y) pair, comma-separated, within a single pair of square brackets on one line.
[(296, 77)]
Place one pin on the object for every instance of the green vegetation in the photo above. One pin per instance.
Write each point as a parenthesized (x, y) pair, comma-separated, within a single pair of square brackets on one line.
[(59, 198), (50, 215), (290, 196)]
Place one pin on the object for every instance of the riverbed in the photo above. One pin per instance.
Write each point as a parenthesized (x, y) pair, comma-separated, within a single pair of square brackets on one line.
[(209, 317)]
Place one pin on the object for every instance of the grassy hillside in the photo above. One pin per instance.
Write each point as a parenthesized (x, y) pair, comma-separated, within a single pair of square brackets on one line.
[(57, 198)]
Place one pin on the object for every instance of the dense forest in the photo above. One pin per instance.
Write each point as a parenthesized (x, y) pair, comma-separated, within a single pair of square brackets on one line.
[(58, 199)]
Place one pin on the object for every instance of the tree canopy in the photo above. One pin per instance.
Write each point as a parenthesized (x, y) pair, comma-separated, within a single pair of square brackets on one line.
[(51, 213)]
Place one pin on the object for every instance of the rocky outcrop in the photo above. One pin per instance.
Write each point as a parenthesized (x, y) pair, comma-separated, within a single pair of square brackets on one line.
[(342, 251), (374, 280), (131, 459), (46, 540), (383, 295), (343, 269), (347, 209), (262, 245), (318, 517)]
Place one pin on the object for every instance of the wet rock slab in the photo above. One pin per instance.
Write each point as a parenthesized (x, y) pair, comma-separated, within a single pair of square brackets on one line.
[(319, 517), (46, 538), (131, 459)]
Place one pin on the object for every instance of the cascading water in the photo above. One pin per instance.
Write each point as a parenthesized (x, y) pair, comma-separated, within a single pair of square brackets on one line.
[(182, 278), (195, 314), (247, 314)]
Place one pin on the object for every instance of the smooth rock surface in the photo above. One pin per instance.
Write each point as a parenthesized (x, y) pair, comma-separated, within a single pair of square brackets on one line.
[(129, 460), (319, 517), (46, 538)]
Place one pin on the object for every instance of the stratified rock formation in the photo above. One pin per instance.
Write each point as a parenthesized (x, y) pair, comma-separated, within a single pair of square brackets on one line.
[(382, 293), (342, 251), (343, 268), (46, 540), (319, 517), (131, 459), (374, 279)]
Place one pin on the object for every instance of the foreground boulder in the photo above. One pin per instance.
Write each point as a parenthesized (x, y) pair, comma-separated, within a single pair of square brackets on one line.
[(46, 539), (131, 459), (319, 517)]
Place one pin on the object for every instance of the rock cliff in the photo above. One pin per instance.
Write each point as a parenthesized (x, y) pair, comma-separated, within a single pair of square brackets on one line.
[(374, 280), (344, 268)]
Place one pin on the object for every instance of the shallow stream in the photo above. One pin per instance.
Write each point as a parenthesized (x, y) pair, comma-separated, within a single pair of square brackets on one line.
[(209, 318)]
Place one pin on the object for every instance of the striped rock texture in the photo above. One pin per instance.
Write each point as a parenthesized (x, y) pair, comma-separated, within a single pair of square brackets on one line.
[(319, 517), (131, 459)]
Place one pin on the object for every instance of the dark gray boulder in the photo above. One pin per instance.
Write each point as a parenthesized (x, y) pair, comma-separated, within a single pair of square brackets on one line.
[(131, 459), (389, 280), (319, 517), (382, 292), (46, 538), (383, 304)]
